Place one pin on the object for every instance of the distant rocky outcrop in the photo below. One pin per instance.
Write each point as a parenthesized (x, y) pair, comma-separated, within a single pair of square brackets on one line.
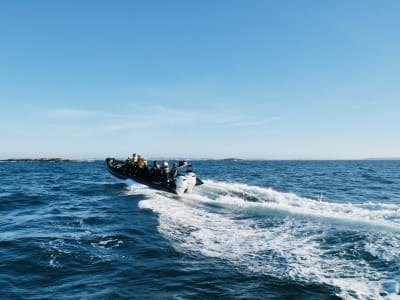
[(232, 159), (55, 159)]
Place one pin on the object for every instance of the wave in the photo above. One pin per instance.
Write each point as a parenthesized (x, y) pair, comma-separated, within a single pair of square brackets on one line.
[(258, 200), (285, 235)]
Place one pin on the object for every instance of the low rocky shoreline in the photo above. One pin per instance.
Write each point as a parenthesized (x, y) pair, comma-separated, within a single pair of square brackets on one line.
[(57, 159)]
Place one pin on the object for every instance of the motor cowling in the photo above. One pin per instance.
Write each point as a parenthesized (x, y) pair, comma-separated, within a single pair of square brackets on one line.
[(191, 181), (180, 184)]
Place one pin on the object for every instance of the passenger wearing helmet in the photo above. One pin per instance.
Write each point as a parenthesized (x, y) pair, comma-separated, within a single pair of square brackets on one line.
[(134, 159), (165, 172), (132, 164)]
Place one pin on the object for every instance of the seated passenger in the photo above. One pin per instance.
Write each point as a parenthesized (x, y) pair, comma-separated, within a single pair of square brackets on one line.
[(174, 170), (165, 172), (155, 171), (155, 166), (134, 159), (140, 162)]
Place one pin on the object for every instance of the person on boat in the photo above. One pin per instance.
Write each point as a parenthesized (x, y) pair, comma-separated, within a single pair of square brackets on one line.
[(165, 165), (142, 169), (174, 170), (134, 159), (132, 164), (165, 172), (146, 170), (140, 162), (155, 171), (156, 166)]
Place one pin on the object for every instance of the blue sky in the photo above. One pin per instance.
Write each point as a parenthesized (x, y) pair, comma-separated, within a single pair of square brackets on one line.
[(200, 79)]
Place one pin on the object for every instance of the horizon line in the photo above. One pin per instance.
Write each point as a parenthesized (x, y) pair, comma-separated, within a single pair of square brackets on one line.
[(96, 158)]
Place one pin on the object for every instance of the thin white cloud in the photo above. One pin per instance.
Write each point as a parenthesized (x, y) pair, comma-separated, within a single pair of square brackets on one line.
[(73, 113), (227, 119), (94, 122), (259, 122)]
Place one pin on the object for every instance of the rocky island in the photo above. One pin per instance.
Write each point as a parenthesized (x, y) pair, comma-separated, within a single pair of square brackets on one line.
[(56, 159)]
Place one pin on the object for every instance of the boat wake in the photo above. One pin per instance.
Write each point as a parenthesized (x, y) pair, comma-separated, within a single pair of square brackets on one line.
[(348, 246), (259, 200)]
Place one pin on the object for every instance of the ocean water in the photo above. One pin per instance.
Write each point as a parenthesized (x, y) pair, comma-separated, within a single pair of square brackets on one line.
[(254, 230)]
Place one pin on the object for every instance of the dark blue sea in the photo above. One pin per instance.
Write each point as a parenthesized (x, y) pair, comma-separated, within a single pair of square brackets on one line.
[(254, 230)]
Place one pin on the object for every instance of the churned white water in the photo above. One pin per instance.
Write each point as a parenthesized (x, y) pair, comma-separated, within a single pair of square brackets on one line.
[(286, 236)]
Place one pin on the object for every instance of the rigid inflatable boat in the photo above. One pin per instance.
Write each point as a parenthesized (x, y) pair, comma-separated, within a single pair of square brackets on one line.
[(181, 179)]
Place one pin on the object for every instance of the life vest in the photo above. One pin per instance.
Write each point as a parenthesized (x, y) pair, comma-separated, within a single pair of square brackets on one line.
[(141, 162)]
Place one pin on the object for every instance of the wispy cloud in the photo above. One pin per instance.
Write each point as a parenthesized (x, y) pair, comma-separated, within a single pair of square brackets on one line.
[(73, 113), (149, 117), (256, 122)]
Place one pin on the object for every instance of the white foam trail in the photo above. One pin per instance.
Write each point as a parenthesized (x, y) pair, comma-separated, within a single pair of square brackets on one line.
[(137, 188), (287, 247), (367, 214)]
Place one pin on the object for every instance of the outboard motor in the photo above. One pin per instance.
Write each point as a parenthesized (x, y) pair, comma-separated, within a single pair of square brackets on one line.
[(180, 184), (191, 181)]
